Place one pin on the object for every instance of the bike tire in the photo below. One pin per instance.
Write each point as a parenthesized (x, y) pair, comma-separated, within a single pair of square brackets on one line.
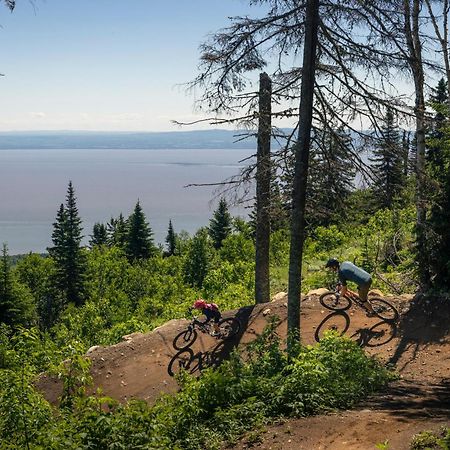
[(328, 300), (181, 361), (229, 328), (384, 310), (338, 321), (184, 339)]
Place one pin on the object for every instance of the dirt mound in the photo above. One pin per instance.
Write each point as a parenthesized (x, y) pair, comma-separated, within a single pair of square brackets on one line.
[(419, 348)]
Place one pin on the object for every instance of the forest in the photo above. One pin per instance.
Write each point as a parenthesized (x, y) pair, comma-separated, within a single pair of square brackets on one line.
[(377, 196)]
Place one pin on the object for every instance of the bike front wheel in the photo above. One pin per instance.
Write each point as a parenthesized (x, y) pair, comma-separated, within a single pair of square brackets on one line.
[(229, 327), (185, 339), (333, 302), (384, 310)]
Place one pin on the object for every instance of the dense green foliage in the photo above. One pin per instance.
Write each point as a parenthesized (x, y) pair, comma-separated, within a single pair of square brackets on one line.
[(54, 307), (242, 393), (429, 440), (439, 192)]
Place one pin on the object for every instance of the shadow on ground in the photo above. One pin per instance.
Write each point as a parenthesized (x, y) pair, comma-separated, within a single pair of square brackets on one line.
[(426, 322), (414, 400), (195, 362)]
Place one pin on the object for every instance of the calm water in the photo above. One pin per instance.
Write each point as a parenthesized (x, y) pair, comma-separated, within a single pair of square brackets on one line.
[(33, 183)]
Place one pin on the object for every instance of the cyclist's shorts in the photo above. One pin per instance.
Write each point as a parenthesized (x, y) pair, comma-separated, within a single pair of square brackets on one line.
[(212, 314)]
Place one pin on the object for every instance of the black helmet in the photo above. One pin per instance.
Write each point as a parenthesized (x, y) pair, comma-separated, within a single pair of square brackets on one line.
[(332, 262)]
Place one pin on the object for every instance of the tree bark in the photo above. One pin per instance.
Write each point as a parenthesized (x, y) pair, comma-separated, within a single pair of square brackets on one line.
[(413, 39), (301, 151), (263, 174)]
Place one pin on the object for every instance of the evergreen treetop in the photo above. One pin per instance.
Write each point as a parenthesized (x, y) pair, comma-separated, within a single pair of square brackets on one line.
[(220, 225), (139, 238)]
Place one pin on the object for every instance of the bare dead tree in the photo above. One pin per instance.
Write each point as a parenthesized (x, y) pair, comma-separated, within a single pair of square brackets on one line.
[(301, 151), (263, 176), (362, 48)]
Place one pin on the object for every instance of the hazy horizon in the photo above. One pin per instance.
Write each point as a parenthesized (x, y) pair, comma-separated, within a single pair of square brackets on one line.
[(108, 182)]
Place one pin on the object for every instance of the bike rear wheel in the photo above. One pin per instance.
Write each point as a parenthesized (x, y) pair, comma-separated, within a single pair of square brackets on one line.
[(229, 327), (334, 303), (383, 309), (185, 339)]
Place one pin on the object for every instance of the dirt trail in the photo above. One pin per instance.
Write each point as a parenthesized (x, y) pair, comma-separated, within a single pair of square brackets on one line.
[(419, 348)]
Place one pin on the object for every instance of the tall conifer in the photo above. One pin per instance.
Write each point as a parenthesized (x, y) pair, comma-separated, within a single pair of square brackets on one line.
[(99, 235), (139, 239), (221, 223), (67, 252), (171, 240), (388, 163), (117, 232)]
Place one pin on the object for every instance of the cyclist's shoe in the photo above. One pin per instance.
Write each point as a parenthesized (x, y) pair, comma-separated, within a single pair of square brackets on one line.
[(370, 313), (215, 333)]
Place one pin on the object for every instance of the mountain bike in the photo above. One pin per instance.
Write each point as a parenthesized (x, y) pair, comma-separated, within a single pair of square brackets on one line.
[(335, 302), (228, 328)]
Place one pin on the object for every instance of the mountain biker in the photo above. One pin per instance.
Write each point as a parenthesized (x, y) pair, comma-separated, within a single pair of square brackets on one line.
[(211, 311), (347, 271)]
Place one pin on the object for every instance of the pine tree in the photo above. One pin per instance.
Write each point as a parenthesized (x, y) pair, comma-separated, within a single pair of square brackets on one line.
[(220, 225), (171, 239), (388, 163), (67, 252), (99, 235), (117, 232), (331, 177), (439, 102), (139, 238), (438, 164)]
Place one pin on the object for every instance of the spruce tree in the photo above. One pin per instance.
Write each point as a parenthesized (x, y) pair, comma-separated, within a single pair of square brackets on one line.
[(438, 166), (139, 238), (331, 176), (171, 239), (388, 163), (220, 225), (67, 252), (117, 232), (99, 235)]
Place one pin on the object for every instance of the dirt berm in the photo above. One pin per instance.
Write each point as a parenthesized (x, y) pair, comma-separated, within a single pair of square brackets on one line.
[(418, 347)]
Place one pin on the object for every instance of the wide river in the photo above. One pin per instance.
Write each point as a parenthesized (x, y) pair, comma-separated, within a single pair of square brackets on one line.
[(33, 183)]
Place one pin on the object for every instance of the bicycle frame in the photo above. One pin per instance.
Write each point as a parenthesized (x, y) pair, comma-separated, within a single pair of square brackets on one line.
[(201, 326)]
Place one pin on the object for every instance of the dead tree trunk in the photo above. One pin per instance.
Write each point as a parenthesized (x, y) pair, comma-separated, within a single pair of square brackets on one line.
[(263, 173), (301, 151), (413, 40)]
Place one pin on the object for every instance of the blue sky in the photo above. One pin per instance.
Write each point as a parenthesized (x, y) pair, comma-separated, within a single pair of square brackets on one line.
[(103, 64)]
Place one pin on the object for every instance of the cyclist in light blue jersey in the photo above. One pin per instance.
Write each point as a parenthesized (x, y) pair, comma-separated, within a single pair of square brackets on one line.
[(347, 271)]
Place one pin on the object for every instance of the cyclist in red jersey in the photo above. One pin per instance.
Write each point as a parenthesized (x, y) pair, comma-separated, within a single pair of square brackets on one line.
[(211, 311)]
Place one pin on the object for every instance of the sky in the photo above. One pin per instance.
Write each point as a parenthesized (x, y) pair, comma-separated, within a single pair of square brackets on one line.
[(104, 64)]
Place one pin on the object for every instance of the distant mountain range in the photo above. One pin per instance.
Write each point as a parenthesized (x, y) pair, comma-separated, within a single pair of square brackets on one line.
[(200, 139)]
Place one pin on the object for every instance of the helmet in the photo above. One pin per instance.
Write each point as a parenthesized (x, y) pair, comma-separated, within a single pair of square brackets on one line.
[(332, 262), (199, 304)]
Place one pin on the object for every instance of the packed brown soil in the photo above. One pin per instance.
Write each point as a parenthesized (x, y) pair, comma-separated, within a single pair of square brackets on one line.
[(418, 348)]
